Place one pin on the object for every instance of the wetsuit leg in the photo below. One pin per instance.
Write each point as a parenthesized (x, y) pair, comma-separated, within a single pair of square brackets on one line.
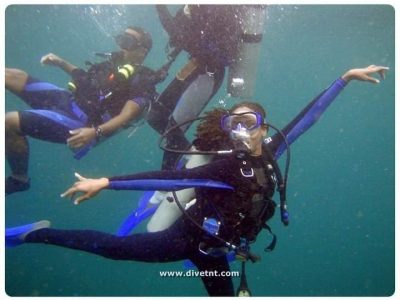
[(216, 285), (48, 125), (164, 246), (189, 104), (53, 115), (43, 95), (173, 244), (162, 109)]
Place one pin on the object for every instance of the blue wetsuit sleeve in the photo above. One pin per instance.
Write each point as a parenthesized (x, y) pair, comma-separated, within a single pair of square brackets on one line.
[(307, 117), (170, 179)]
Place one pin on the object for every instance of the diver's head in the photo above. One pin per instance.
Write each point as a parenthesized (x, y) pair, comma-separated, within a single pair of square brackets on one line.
[(134, 43), (246, 127)]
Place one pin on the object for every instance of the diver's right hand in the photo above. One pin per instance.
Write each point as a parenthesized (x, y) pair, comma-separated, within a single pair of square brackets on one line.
[(51, 60), (90, 188)]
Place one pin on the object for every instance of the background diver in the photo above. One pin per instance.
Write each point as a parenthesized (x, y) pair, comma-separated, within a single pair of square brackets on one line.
[(229, 212), (216, 37), (101, 100)]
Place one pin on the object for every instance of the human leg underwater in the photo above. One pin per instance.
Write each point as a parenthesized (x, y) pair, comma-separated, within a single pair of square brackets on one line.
[(183, 99), (173, 244), (17, 153), (51, 120)]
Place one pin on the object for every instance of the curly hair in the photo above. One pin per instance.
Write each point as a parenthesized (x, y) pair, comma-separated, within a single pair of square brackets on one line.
[(210, 136)]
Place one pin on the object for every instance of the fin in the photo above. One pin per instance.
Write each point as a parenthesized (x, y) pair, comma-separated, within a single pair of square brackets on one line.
[(81, 152), (16, 235), (144, 210), (189, 265), (68, 123), (58, 118)]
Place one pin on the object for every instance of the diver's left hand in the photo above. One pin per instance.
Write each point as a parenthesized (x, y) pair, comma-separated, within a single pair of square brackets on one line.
[(363, 74), (81, 137)]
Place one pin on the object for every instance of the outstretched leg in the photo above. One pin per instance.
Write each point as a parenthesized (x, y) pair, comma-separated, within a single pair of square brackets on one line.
[(162, 246)]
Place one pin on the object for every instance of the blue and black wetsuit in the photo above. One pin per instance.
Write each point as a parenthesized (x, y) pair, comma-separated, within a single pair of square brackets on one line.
[(233, 207), (56, 111)]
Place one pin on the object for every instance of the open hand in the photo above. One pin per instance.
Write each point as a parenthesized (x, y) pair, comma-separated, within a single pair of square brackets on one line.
[(363, 74), (89, 187)]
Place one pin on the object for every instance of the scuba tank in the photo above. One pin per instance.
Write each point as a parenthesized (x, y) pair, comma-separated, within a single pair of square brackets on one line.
[(243, 70)]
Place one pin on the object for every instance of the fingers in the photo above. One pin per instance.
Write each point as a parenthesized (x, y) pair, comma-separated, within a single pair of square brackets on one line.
[(74, 132), (78, 138), (375, 69), (382, 71), (45, 58), (70, 192), (75, 141), (75, 188), (48, 58), (79, 176), (80, 199), (372, 79)]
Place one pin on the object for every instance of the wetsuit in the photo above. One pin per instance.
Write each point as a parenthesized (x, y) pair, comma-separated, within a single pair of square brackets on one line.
[(56, 111), (233, 208)]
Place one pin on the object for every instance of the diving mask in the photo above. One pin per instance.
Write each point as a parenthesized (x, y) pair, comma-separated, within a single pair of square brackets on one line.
[(247, 120), (240, 126), (127, 42)]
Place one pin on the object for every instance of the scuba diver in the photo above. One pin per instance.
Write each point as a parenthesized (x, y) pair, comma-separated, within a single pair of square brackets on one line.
[(233, 194), (99, 102), (215, 37), (164, 213)]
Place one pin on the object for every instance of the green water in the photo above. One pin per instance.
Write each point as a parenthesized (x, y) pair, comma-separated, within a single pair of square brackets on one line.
[(341, 187)]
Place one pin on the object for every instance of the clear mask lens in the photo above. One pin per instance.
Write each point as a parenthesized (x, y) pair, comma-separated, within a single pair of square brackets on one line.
[(249, 120)]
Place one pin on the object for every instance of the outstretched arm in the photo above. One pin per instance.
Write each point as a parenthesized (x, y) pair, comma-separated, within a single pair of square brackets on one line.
[(165, 180), (54, 60), (310, 115)]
